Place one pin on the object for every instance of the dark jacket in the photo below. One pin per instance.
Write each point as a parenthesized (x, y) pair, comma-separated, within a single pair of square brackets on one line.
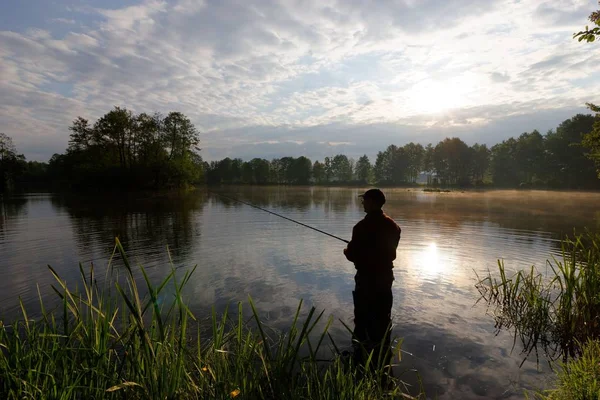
[(374, 243)]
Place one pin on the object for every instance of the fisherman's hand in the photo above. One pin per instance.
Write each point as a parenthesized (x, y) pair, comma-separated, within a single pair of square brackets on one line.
[(346, 253)]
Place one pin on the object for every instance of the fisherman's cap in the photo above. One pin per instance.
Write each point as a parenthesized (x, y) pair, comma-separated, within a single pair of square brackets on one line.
[(374, 194)]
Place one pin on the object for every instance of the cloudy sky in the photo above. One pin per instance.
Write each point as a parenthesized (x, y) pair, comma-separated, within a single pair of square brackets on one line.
[(290, 77)]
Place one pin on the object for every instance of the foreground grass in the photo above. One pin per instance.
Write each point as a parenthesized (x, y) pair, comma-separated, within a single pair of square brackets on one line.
[(556, 312), (578, 379), (98, 345)]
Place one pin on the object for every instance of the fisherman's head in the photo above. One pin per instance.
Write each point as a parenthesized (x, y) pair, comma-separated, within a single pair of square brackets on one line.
[(373, 200)]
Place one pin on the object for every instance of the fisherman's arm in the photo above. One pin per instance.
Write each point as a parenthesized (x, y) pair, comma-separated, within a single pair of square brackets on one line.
[(393, 241), (351, 250)]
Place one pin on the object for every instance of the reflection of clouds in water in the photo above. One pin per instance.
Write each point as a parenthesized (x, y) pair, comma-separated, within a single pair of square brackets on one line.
[(241, 251)]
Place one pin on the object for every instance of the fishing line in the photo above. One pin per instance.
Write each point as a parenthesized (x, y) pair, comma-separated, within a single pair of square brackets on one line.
[(279, 215), (320, 231)]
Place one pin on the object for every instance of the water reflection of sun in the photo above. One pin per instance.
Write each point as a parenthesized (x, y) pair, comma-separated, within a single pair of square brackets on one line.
[(429, 260)]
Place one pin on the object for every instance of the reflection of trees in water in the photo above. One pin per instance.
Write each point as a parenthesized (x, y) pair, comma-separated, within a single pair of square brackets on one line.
[(555, 212), (10, 207), (297, 198), (531, 211), (151, 222)]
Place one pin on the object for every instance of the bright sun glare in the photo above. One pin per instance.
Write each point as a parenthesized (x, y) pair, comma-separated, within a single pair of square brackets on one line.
[(429, 260), (434, 96)]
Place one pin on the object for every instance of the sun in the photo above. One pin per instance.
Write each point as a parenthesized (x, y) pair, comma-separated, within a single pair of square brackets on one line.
[(433, 96)]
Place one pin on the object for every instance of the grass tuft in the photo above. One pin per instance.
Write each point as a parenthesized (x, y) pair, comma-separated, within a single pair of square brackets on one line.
[(556, 312), (578, 379), (105, 344)]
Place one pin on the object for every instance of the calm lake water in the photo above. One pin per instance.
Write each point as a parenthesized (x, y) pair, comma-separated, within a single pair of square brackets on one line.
[(446, 239)]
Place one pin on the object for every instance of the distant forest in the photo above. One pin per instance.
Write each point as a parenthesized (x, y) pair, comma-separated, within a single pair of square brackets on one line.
[(151, 151), (562, 158)]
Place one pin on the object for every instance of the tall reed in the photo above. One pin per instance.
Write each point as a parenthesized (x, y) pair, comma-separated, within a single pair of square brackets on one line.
[(577, 379), (104, 344), (556, 311)]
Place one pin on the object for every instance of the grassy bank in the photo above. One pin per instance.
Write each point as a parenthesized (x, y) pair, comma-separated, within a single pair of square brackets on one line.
[(557, 311), (120, 344), (577, 379)]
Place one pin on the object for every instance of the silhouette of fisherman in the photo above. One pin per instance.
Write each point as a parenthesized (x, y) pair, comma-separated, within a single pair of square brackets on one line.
[(373, 251)]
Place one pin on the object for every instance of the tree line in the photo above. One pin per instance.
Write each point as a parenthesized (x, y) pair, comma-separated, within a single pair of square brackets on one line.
[(122, 149), (562, 158)]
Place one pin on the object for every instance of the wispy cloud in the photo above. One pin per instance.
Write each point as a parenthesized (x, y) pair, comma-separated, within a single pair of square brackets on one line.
[(63, 21), (286, 75)]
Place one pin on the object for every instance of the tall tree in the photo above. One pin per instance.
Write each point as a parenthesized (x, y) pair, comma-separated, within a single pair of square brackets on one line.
[(452, 161), (260, 170), (319, 172), (301, 170), (415, 154), (481, 161), (237, 170), (591, 140), (81, 134), (400, 165), (364, 169), (568, 164), (12, 165), (384, 164), (114, 130), (247, 173), (530, 158), (180, 134), (329, 174), (503, 164), (342, 170), (428, 162)]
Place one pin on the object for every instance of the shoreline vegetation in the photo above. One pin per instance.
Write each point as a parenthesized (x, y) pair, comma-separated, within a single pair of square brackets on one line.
[(123, 344), (556, 313), (127, 151)]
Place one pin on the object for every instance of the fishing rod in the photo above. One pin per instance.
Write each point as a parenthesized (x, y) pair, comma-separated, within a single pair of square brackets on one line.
[(279, 215)]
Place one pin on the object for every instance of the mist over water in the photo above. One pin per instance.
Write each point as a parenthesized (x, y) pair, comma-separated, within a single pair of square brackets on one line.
[(446, 239)]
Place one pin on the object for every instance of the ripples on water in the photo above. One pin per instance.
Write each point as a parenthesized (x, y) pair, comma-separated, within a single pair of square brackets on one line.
[(241, 251)]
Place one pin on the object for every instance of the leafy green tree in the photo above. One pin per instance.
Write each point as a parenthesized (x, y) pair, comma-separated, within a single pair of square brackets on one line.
[(247, 173), (591, 140), (352, 162), (150, 150), (329, 173), (260, 170), (341, 168), (530, 158), (452, 162), (568, 165), (589, 35), (300, 170), (415, 154), (481, 161), (275, 172), (364, 169), (123, 149), (287, 167), (12, 165), (114, 130), (428, 157), (319, 172), (237, 171), (384, 165), (503, 164), (400, 165), (180, 134), (81, 134)]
